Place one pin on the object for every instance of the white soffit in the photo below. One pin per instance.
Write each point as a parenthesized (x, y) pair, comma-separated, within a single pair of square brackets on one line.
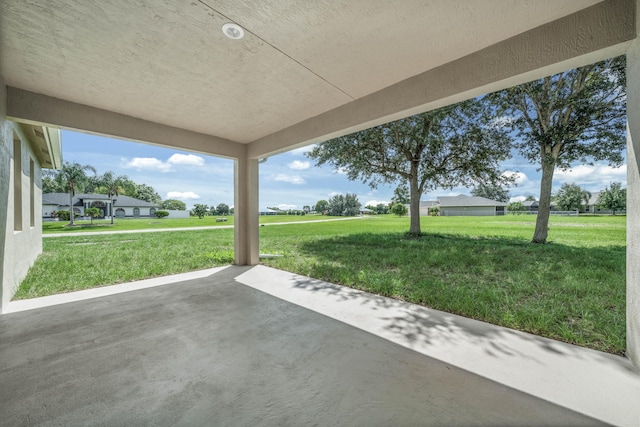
[(168, 61)]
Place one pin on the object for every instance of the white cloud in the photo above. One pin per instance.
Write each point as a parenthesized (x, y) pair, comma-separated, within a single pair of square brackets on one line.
[(292, 179), (285, 207), (186, 159), (520, 177), (182, 195), (596, 176), (376, 202), (155, 164), (334, 193), (298, 165), (148, 163), (303, 150), (517, 199)]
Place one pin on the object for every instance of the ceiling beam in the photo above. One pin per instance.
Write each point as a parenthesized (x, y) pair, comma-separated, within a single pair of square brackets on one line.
[(587, 36), (34, 108)]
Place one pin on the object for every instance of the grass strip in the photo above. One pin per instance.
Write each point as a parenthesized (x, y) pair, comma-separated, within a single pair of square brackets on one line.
[(572, 289)]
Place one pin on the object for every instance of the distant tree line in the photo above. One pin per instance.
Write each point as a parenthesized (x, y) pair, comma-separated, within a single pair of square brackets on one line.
[(201, 210)]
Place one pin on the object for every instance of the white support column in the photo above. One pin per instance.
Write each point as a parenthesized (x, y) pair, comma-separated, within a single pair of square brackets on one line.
[(246, 211), (633, 200)]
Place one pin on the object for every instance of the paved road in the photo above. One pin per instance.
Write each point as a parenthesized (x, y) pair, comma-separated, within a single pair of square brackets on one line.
[(208, 227)]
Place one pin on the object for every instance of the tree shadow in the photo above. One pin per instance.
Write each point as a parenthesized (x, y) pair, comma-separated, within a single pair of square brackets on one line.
[(419, 328), (370, 262)]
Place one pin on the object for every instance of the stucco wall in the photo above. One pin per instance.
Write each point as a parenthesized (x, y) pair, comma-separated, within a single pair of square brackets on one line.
[(20, 248), (47, 209), (173, 214), (128, 212), (633, 202), (6, 148), (469, 211)]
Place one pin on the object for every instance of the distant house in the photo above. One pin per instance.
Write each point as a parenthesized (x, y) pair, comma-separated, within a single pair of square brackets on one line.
[(531, 205), (424, 207), (123, 206), (592, 205), (470, 206), (463, 206), (268, 212), (593, 202)]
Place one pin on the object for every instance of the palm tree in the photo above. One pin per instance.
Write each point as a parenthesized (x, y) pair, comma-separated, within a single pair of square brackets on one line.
[(73, 177), (113, 185)]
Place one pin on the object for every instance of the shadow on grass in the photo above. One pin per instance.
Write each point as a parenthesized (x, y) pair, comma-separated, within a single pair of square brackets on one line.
[(567, 293)]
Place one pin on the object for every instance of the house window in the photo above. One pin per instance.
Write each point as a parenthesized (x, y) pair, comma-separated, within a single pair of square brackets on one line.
[(120, 213), (17, 184), (136, 212), (152, 212), (32, 194)]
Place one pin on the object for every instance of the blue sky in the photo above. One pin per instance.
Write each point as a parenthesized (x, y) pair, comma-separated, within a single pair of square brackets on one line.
[(288, 180)]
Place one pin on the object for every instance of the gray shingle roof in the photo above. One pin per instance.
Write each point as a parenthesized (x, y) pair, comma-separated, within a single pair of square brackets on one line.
[(126, 201), (462, 200), (58, 199), (594, 198)]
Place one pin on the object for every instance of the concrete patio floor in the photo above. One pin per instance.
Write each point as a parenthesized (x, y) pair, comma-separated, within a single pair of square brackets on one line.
[(259, 346)]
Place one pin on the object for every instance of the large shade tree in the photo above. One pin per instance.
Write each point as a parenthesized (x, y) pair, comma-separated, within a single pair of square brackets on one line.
[(613, 198), (571, 197), (575, 116), (72, 177), (173, 204), (491, 192), (444, 148), (145, 192)]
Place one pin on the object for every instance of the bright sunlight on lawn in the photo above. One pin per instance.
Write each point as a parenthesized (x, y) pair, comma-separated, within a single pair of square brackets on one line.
[(572, 289)]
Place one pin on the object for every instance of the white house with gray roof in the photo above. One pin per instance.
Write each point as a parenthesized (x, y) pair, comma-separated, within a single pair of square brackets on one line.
[(463, 206), (470, 206), (123, 206)]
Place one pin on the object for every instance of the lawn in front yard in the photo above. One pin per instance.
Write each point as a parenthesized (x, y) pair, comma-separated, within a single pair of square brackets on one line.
[(572, 289)]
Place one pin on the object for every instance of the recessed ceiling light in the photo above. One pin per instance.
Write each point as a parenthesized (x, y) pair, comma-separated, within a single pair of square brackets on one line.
[(233, 31)]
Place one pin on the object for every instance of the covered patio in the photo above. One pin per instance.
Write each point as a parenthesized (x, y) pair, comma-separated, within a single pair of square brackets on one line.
[(165, 73), (258, 346)]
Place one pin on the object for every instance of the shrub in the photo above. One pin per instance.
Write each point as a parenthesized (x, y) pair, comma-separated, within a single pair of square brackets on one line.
[(63, 215), (398, 209), (516, 208), (161, 214)]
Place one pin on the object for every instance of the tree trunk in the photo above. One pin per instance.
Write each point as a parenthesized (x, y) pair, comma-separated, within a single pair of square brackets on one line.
[(544, 206), (414, 210), (71, 208), (111, 210)]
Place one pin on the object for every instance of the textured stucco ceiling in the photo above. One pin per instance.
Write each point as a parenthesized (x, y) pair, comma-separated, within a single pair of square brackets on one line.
[(167, 61)]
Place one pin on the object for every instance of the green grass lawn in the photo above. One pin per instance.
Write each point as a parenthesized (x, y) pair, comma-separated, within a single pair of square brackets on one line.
[(572, 289), (164, 223)]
